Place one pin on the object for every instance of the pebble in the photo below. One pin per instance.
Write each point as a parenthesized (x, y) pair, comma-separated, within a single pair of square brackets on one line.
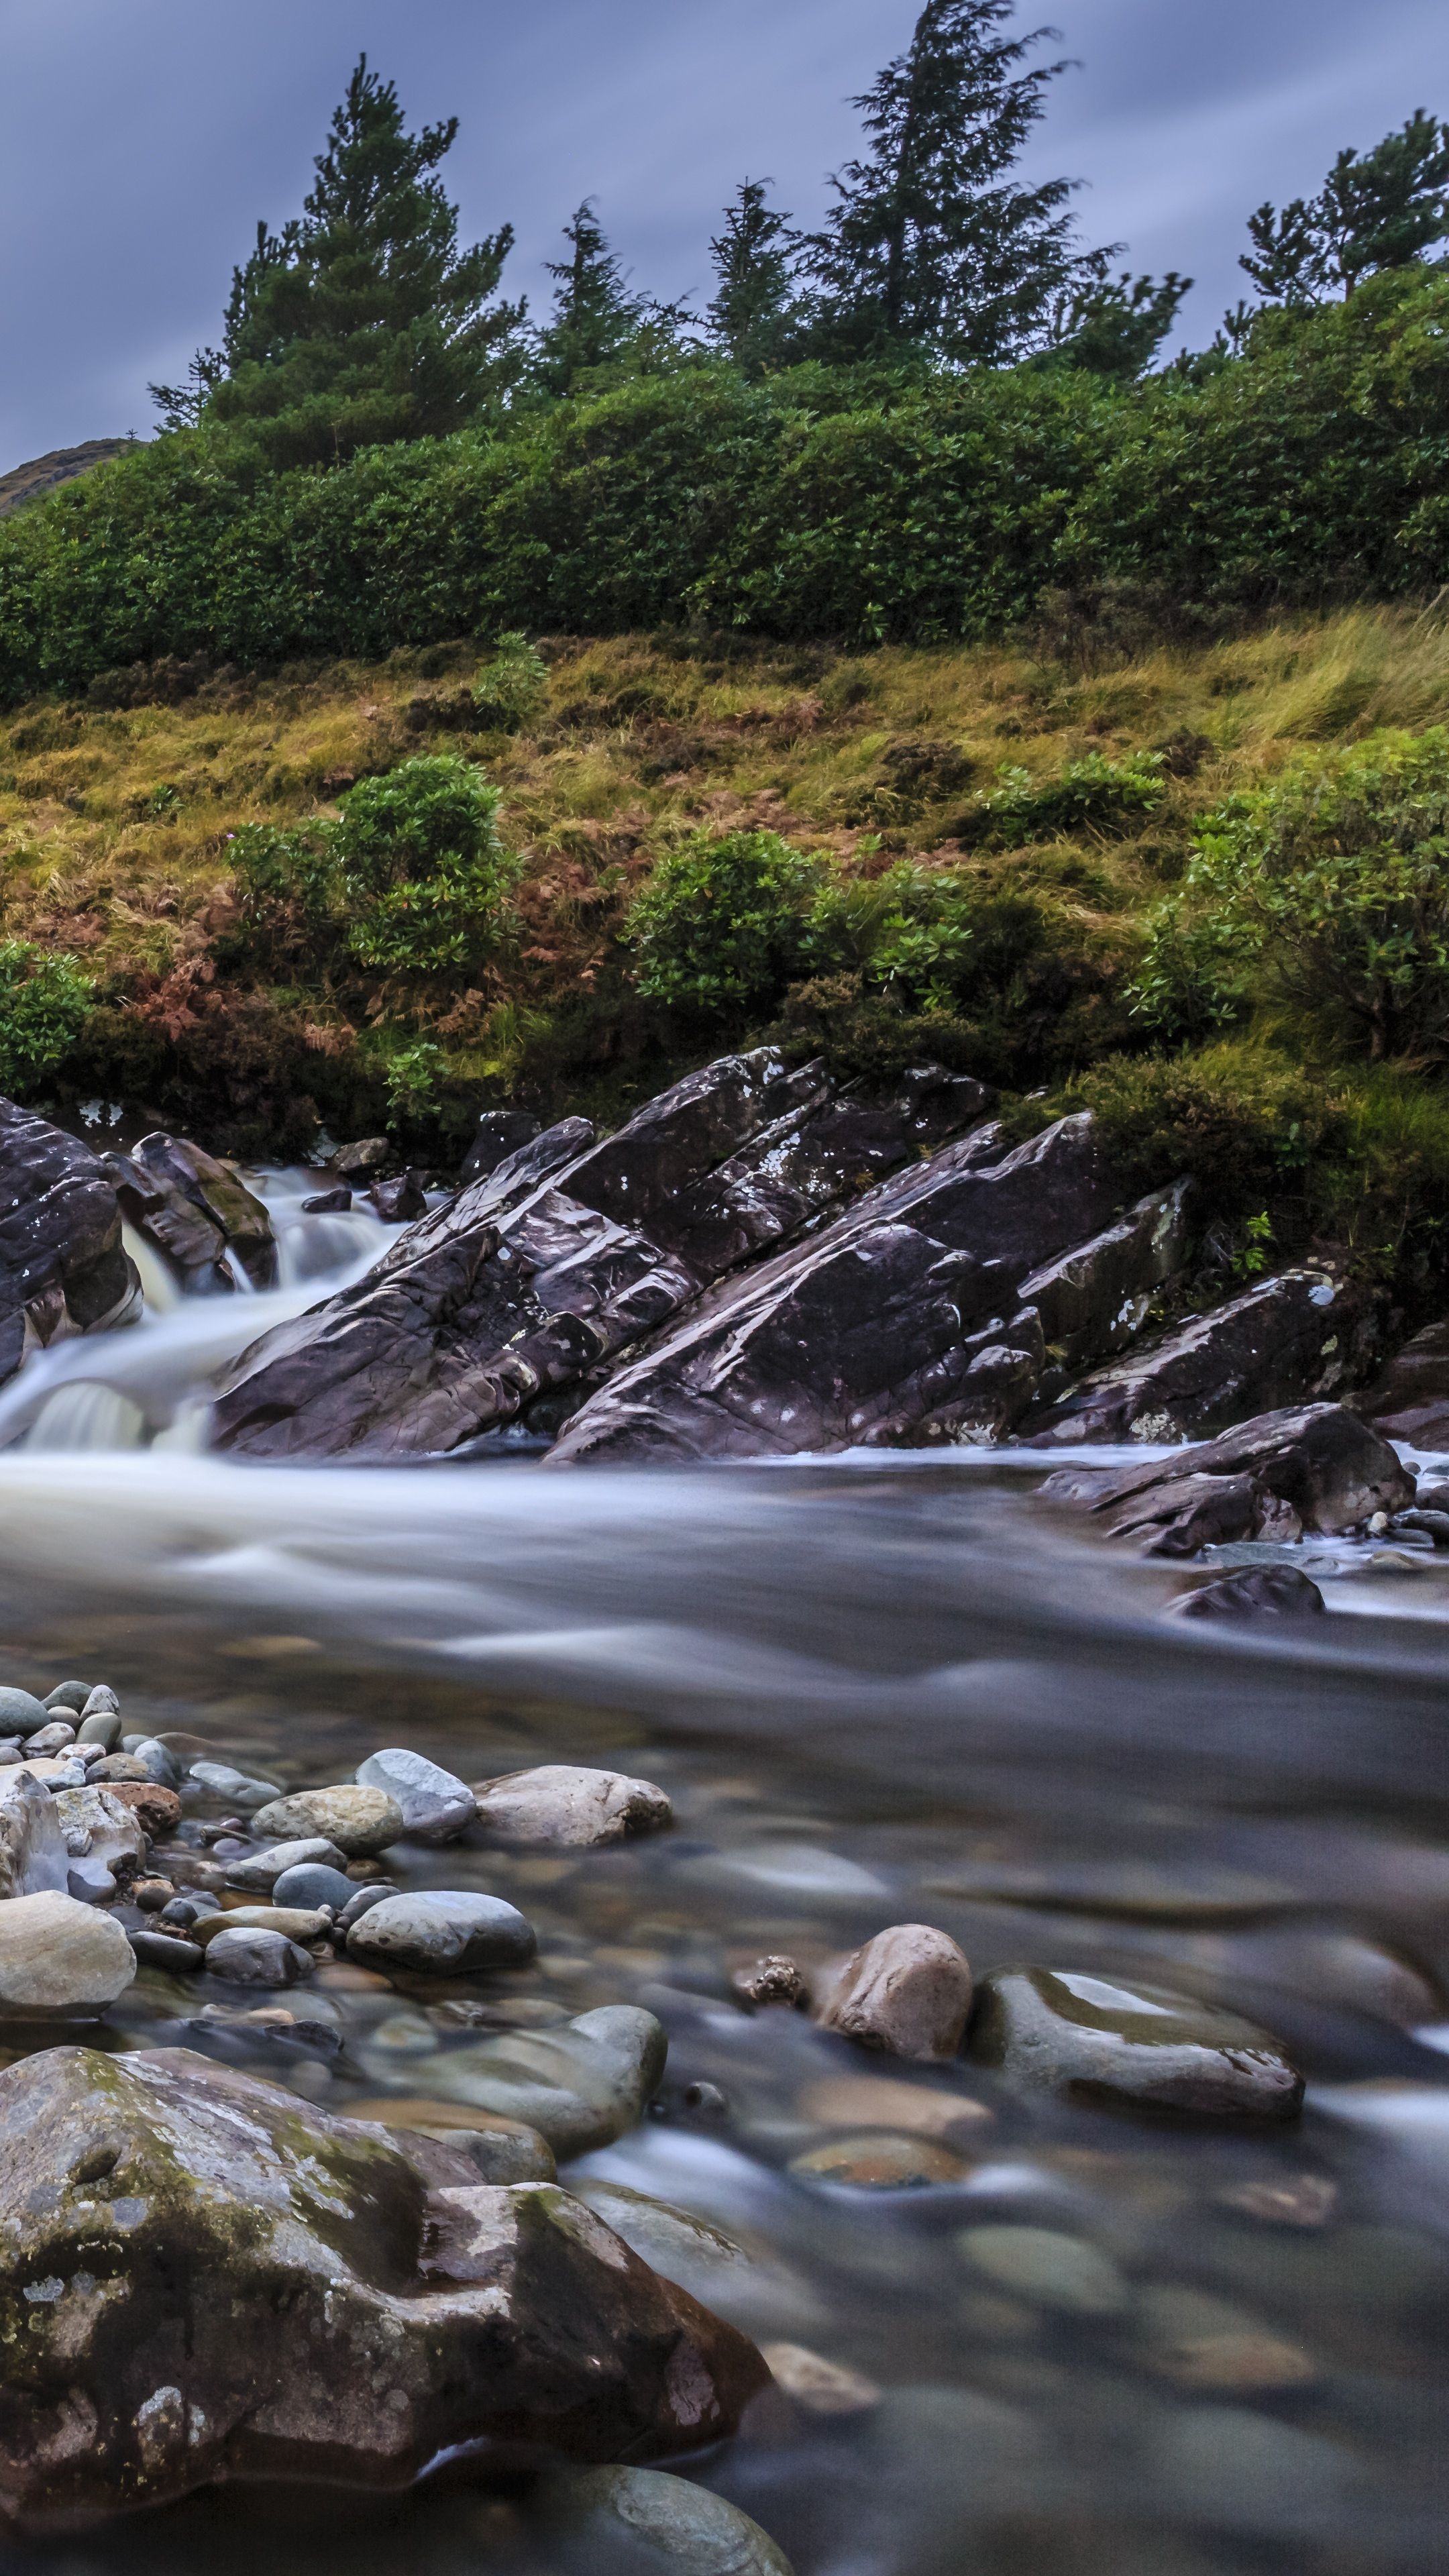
[(182, 1911), (645, 2516), (298, 1923), (435, 1806), (1201, 2342), (102, 1702), (443, 1930), (1050, 2270), (50, 1739), (102, 1730), (157, 1760), (1300, 2200), (1090, 2038), (256, 1958), (219, 1780), (261, 1870), (822, 2387), (359, 1821), (69, 1697), (360, 1901), (158, 1809), (560, 1803), (877, 2101), (60, 1956), (773, 1980), (582, 2083), (312, 1883), (151, 1894), (880, 2163), (21, 1713), (122, 1766), (907, 1992), (166, 1950)]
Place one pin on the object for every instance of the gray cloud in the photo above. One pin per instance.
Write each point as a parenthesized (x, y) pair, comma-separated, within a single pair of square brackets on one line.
[(142, 139)]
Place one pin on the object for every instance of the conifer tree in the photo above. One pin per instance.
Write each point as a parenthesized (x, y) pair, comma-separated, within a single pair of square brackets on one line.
[(1378, 209), (598, 320), (755, 311), (932, 240), (1113, 325), (361, 320)]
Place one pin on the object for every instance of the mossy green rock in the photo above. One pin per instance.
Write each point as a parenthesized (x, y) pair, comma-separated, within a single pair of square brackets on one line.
[(206, 2279), (1135, 2046)]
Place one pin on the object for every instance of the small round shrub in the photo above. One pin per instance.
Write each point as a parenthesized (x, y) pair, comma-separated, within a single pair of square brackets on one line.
[(511, 688), (422, 867), (44, 1003), (720, 926)]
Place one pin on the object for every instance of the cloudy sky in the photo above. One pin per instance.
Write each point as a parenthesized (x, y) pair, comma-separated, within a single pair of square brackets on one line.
[(141, 139)]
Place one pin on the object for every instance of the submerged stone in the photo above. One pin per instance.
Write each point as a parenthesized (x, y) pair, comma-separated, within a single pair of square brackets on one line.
[(1134, 2046), (880, 2163), (581, 2084), (1047, 2268), (630, 2519)]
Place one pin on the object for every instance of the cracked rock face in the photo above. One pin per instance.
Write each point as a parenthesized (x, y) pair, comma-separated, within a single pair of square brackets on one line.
[(1283, 1340), (206, 2279), (1318, 1468), (62, 1265), (195, 1210)]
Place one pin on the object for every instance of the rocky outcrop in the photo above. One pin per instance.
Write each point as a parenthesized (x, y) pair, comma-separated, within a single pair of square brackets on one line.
[(868, 1333), (62, 1265), (207, 2279), (1275, 1477), (569, 1252), (196, 1211), (1095, 1298), (1282, 1341), (1410, 1400)]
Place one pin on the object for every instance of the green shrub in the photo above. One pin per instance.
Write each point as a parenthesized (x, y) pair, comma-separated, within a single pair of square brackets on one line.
[(720, 927), (510, 689), (1243, 1121), (1328, 888), (412, 1083), (288, 897), (423, 871), (1092, 794), (44, 1003)]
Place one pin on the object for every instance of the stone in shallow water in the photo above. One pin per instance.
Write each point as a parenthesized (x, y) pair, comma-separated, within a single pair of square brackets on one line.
[(880, 2163), (1200, 2342), (60, 1956), (262, 1870), (220, 1780), (907, 1992), (256, 1958), (877, 2101), (1255, 1592), (436, 1807), (582, 2084), (312, 1883), (33, 1854), (630, 2519), (822, 2387), (337, 2313), (359, 1821), (562, 1803), (1051, 2270), (444, 1930), (1142, 2047)]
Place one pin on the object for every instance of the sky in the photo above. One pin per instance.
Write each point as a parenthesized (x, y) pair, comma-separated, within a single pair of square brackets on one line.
[(141, 140)]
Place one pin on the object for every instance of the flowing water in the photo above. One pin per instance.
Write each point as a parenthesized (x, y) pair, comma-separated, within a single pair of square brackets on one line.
[(878, 1690)]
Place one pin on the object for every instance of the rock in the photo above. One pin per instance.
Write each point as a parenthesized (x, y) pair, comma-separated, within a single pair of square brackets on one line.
[(880, 2162), (312, 1883), (907, 1992), (557, 1803), (339, 2318), (102, 1702), (50, 1739), (336, 1202), (180, 1958), (436, 1808), (774, 1980), (1282, 1340), (1256, 1592), (1292, 2200), (114, 1833), (626, 2519), (1053, 2271), (263, 1869), (68, 1698), (879, 2102), (114, 1767), (60, 1958), (158, 1809), (196, 1211), (360, 1902), (152, 1893), (1064, 2032), (102, 1728), (63, 1268), (353, 1162), (1201, 2342), (1277, 1476), (359, 1821), (20, 1712), (568, 1252), (866, 1333), (33, 1855), (298, 1923), (499, 1133), (219, 1780), (443, 1931), (1409, 1401), (256, 1958), (1095, 1298), (399, 1201), (581, 2084), (500, 2150), (822, 2387), (158, 1762)]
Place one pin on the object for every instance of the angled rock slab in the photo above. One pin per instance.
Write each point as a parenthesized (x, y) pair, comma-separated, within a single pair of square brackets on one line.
[(1317, 1468), (1281, 1342), (227, 2283), (63, 1268), (1409, 1400), (1095, 1298), (196, 1211)]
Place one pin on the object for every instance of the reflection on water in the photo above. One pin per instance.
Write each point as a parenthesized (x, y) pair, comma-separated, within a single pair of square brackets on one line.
[(884, 1691)]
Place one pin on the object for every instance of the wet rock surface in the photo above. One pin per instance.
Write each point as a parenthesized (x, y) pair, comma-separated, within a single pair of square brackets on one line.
[(1409, 1400), (1275, 1477), (441, 1931), (1285, 1339), (906, 1993), (197, 1211), (1257, 1592), (580, 2085), (63, 1268), (558, 1803), (435, 1807), (1136, 2046), (625, 2520)]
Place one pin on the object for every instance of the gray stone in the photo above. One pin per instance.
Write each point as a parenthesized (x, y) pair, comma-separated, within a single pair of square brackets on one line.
[(159, 1762), (359, 1821), (630, 2519), (69, 1698), (256, 1958), (312, 1883), (361, 1902), (1095, 1298), (1048, 2269), (1409, 1400), (21, 1713), (219, 1780), (1274, 1477), (1254, 1592), (367, 1154), (196, 1211), (63, 1267), (1285, 1339), (906, 1992), (262, 1870), (581, 2084), (436, 1807), (114, 1837), (55, 1738), (165, 1950), (33, 1855), (1089, 2038), (339, 2314), (443, 1931), (336, 1202), (60, 1958), (102, 1702), (561, 1803), (102, 1728)]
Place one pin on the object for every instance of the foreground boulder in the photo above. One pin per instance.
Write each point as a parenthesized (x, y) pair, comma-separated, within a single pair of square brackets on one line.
[(63, 1268), (1284, 1473), (223, 2282), (196, 1211), (1283, 1340), (568, 1252), (1409, 1401)]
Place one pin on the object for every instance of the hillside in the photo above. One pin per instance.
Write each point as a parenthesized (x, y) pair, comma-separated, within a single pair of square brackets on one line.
[(43, 474)]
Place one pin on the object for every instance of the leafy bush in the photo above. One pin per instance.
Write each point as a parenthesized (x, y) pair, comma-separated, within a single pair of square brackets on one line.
[(720, 926), (412, 1083), (1242, 1120), (511, 688), (1329, 887), (44, 1002), (423, 871), (287, 895), (1093, 794)]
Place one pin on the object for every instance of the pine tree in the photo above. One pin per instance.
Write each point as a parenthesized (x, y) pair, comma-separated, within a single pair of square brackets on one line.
[(1112, 326), (598, 321), (360, 321), (1378, 209), (755, 312), (932, 240)]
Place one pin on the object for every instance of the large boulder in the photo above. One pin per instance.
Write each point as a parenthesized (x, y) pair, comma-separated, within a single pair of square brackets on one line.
[(60, 1959), (196, 1211), (867, 1333), (1275, 1477), (1409, 1401), (568, 1252), (207, 2279), (1286, 1339), (63, 1268)]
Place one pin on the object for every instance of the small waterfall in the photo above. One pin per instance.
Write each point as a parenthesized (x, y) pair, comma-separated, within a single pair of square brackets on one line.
[(160, 1288), (85, 1415)]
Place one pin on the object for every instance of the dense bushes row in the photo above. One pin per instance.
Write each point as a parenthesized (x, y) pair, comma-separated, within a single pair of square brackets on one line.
[(819, 502)]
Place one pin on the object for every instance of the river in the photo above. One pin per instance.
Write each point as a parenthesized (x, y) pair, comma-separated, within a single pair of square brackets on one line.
[(884, 1689)]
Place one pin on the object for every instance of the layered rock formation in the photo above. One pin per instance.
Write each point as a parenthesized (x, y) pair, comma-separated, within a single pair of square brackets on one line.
[(62, 1265)]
